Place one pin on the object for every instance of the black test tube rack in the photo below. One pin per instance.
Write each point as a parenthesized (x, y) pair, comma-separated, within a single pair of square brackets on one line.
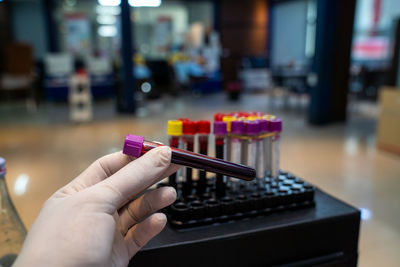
[(286, 192)]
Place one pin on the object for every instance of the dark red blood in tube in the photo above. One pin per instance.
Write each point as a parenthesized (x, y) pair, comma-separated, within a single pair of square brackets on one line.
[(203, 129), (219, 153), (189, 129), (136, 146), (189, 172), (173, 142)]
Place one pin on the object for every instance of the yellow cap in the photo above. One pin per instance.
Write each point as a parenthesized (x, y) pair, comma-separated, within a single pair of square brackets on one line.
[(253, 118), (228, 120), (268, 117), (174, 128)]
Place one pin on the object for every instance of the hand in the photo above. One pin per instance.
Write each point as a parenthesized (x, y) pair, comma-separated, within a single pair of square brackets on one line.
[(94, 221)]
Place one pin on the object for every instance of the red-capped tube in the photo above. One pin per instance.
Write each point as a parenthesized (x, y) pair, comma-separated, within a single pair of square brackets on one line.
[(203, 131), (189, 129), (219, 116)]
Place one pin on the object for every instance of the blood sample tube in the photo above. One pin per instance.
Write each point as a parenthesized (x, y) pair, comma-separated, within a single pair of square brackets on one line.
[(256, 113), (243, 114), (253, 118), (252, 130), (136, 146), (188, 131), (237, 131), (267, 146), (218, 116), (174, 131), (220, 133), (275, 126), (228, 119), (268, 117), (262, 148), (240, 115), (203, 131)]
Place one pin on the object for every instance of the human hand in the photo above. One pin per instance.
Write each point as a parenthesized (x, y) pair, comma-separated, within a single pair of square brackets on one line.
[(94, 221)]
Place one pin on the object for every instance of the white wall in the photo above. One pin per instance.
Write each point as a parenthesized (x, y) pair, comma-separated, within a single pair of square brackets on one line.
[(288, 39), (182, 13), (28, 24)]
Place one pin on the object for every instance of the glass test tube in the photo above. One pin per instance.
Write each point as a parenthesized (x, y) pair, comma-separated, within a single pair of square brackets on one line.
[(276, 128), (220, 133), (268, 146), (188, 131), (219, 116), (252, 129), (203, 131), (261, 167), (237, 131), (228, 145), (174, 131), (136, 146)]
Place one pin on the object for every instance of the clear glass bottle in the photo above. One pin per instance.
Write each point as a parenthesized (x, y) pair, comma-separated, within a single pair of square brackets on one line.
[(12, 230)]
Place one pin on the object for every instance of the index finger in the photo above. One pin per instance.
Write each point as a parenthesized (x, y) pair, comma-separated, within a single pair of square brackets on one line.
[(135, 177)]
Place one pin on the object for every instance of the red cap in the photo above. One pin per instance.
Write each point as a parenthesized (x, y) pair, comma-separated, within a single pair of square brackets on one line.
[(203, 127), (218, 116), (243, 114), (189, 127), (183, 119), (256, 113)]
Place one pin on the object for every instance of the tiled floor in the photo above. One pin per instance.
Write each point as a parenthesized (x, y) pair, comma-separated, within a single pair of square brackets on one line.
[(44, 151)]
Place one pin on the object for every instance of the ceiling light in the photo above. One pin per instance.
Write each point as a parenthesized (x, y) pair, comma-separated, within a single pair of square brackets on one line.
[(107, 31), (109, 2), (143, 3), (108, 10), (106, 19)]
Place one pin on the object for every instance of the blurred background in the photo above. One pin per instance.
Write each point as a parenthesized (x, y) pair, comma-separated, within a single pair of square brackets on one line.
[(77, 75)]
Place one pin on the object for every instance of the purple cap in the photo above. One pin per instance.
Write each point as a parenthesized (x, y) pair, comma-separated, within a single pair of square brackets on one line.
[(220, 127), (263, 126), (133, 145), (237, 127), (252, 127), (275, 125)]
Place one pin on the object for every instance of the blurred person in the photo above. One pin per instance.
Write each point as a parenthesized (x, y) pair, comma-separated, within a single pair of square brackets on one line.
[(102, 217), (140, 70), (186, 65)]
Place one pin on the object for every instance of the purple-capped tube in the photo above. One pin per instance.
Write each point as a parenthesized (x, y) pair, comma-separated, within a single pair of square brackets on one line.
[(237, 131), (275, 126), (252, 130), (267, 148), (262, 153), (220, 133)]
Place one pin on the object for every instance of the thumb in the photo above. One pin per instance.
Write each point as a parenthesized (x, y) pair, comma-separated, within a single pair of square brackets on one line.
[(134, 178)]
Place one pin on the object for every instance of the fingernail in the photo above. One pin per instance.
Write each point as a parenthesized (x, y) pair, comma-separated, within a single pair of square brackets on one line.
[(160, 217), (172, 191), (165, 152)]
